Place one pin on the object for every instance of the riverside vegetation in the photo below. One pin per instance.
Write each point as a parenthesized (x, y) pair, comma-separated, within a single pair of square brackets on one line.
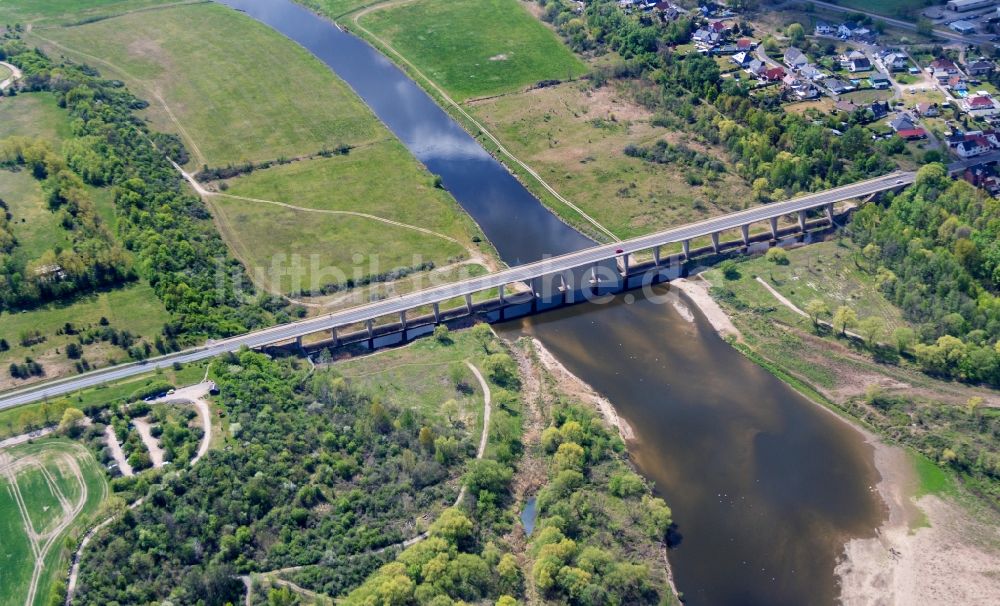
[(324, 473)]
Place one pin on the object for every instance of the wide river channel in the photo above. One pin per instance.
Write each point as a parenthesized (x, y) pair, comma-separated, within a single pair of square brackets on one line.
[(765, 486)]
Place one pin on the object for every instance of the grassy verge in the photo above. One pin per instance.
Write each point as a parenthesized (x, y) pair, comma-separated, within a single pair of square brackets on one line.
[(18, 420)]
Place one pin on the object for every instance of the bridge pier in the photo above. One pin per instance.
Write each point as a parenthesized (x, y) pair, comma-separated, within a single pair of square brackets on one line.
[(624, 282), (503, 299), (774, 227), (371, 334), (402, 323), (437, 313), (745, 232), (829, 213), (715, 242), (656, 256), (686, 247), (298, 342), (468, 304), (334, 336), (802, 221)]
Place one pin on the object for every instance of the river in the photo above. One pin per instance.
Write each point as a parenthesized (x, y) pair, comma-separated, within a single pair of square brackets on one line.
[(765, 486)]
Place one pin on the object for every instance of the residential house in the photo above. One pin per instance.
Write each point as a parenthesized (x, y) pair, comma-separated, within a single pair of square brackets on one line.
[(879, 81), (848, 107), (837, 86), (800, 87), (795, 59), (756, 67), (845, 59), (742, 59), (879, 109), (774, 74), (902, 122), (811, 72), (719, 27), (746, 44), (824, 29), (944, 64), (984, 176), (979, 67), (705, 38), (844, 31), (912, 134), (928, 110), (895, 62), (954, 138), (980, 105), (972, 146), (943, 76), (957, 84), (725, 49), (859, 65)]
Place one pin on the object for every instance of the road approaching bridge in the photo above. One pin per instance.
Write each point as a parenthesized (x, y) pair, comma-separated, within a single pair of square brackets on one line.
[(528, 273)]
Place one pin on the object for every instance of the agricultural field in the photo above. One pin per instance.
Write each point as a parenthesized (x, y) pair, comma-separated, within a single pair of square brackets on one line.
[(473, 48), (176, 57), (51, 490), (575, 137), (889, 8), (4, 72)]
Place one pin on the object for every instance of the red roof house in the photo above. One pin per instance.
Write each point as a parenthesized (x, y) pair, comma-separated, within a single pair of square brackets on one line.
[(774, 74)]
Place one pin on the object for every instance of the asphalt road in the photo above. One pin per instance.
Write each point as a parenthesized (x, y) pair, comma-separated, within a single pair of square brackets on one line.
[(520, 273)]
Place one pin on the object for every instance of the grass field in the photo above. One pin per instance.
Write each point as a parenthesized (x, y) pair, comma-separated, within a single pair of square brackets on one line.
[(49, 490), (135, 308), (36, 228), (405, 194), (234, 87), (4, 72), (826, 271), (419, 376), (33, 115), (474, 48), (58, 11), (575, 138), (334, 9)]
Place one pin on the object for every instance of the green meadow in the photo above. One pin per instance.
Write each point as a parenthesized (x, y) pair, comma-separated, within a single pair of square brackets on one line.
[(474, 48), (233, 88)]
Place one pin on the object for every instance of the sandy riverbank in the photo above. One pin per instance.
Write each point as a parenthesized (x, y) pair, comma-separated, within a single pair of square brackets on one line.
[(696, 290), (928, 550), (572, 384)]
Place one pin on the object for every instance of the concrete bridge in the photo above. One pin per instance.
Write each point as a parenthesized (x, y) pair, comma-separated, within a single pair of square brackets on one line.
[(550, 282)]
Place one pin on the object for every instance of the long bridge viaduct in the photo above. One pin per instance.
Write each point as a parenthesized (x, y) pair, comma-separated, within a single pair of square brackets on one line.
[(546, 283)]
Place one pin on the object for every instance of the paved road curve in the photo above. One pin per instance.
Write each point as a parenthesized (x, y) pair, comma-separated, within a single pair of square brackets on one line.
[(521, 273)]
